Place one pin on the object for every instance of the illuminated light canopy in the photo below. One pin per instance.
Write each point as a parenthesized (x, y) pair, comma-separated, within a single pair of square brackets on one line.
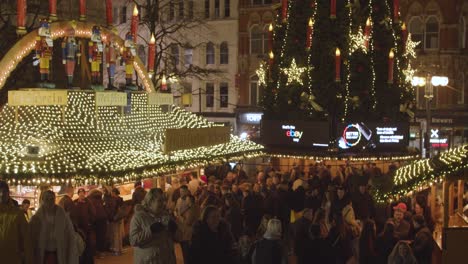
[(79, 142)]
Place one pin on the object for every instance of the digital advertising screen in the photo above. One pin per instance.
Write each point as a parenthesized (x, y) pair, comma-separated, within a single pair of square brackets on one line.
[(372, 136), (295, 133)]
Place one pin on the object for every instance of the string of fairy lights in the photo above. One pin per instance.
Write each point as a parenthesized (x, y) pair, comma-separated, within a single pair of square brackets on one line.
[(82, 143), (423, 173)]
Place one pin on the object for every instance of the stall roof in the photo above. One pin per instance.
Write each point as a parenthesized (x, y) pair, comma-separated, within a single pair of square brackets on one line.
[(82, 142)]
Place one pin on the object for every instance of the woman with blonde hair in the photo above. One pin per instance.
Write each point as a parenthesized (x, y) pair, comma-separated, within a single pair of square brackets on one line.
[(270, 249), (152, 231)]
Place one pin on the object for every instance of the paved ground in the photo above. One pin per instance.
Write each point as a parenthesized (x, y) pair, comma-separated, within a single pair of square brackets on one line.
[(127, 257)]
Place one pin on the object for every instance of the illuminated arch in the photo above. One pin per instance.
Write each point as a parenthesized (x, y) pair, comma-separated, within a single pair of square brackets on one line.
[(58, 30)]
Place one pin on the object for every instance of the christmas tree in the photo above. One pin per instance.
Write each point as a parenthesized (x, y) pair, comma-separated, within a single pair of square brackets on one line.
[(338, 60)]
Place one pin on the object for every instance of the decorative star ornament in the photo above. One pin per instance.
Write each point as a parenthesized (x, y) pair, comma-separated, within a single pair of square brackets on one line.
[(409, 73), (294, 73), (261, 73), (358, 41), (410, 46)]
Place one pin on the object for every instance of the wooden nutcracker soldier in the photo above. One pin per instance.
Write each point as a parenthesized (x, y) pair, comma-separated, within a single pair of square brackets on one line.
[(112, 56), (44, 45), (95, 50), (128, 57), (70, 54)]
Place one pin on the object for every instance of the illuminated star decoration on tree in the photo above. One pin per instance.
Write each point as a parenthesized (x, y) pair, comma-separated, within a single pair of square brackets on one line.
[(294, 73), (261, 73), (409, 73), (358, 41), (410, 46)]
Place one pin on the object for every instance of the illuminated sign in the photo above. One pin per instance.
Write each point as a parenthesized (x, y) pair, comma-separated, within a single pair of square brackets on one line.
[(111, 99), (251, 118), (292, 133), (297, 134), (372, 135), (37, 97), (437, 141)]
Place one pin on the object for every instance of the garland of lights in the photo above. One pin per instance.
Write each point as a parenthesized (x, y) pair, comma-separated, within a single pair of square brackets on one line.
[(422, 173), (82, 142)]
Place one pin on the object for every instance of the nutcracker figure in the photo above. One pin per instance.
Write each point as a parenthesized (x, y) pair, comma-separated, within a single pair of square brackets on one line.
[(128, 57), (70, 54), (44, 44), (112, 56), (95, 49)]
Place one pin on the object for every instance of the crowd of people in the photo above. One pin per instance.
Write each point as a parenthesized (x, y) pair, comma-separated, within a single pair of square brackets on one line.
[(302, 216)]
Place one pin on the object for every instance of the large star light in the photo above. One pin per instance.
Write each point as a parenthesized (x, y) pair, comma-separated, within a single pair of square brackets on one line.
[(294, 73), (410, 46), (358, 41)]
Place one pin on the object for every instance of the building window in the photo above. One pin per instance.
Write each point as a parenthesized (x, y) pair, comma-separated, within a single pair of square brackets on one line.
[(171, 10), (188, 56), (190, 9), (210, 53), (209, 95), (207, 8), (115, 18), (227, 8), (261, 2), (417, 31), (265, 39), (462, 32), (461, 90), (175, 55), (432, 33), (123, 15), (256, 40), (255, 91), (223, 95), (217, 9), (142, 53), (224, 53), (181, 9)]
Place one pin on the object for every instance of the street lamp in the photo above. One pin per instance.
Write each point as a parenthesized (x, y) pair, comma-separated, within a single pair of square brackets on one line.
[(429, 94)]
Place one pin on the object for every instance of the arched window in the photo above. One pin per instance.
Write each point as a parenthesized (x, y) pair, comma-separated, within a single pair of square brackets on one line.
[(210, 53), (256, 40), (265, 38), (432, 33), (255, 94), (416, 29), (462, 33), (224, 53), (175, 55)]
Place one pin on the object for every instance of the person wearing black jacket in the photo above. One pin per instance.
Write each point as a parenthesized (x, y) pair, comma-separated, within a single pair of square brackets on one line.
[(385, 242), (363, 204), (212, 234)]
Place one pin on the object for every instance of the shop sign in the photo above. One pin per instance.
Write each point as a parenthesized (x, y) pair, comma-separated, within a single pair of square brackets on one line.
[(188, 138), (160, 99), (251, 118), (111, 99), (37, 98)]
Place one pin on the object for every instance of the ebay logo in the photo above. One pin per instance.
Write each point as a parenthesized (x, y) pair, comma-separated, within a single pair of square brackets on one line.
[(292, 132)]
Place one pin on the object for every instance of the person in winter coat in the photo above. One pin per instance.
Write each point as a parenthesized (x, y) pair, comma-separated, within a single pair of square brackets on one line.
[(212, 241), (367, 245), (270, 249), (100, 220), (152, 231), (186, 219), (423, 243), (301, 235), (55, 239), (402, 254), (232, 215), (15, 243), (385, 242), (363, 203)]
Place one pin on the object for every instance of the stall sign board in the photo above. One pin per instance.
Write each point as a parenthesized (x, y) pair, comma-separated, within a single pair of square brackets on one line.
[(298, 134), (160, 99), (111, 99), (251, 118), (187, 138), (37, 98)]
